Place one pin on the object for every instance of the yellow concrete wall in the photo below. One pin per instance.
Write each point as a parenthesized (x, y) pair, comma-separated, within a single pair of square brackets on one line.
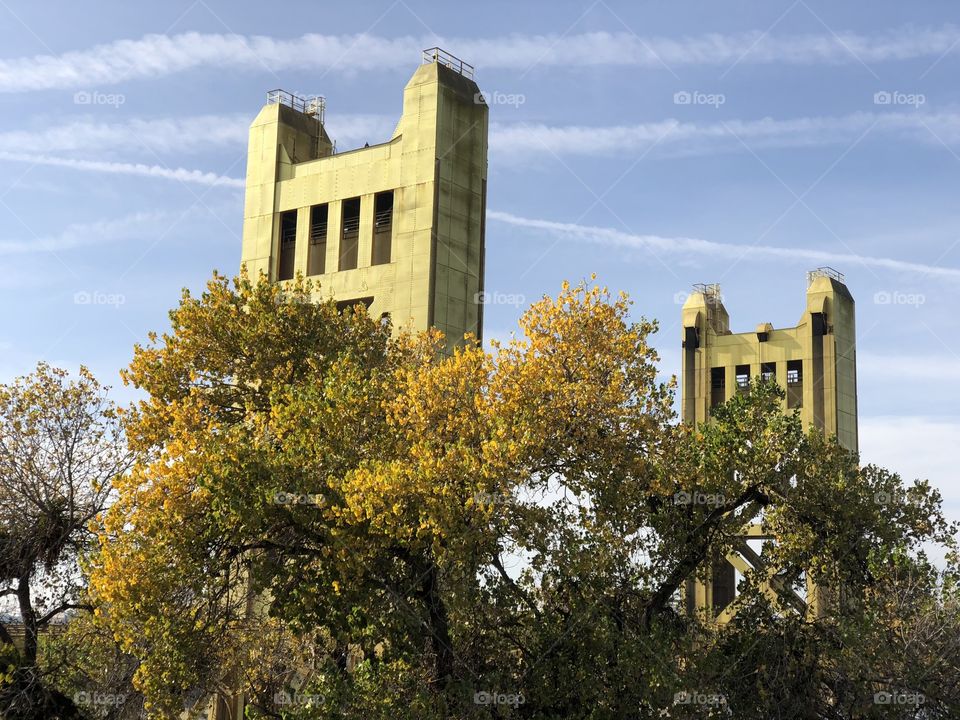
[(836, 399), (829, 405), (436, 165)]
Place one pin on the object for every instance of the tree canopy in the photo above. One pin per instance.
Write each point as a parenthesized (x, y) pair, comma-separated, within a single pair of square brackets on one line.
[(61, 446), (335, 522)]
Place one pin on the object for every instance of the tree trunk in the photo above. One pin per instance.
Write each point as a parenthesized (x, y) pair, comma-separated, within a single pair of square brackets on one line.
[(439, 624), (29, 617)]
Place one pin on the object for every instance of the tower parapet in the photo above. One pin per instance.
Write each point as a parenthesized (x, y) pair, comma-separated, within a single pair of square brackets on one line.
[(814, 362), (397, 226)]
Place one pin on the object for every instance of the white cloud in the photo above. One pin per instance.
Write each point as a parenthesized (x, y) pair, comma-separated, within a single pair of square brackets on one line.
[(195, 134), (507, 141), (189, 134), (915, 447), (161, 55), (85, 234), (913, 368), (122, 168), (734, 251), (673, 136)]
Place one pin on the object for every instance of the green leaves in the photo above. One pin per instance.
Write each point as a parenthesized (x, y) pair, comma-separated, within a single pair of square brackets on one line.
[(429, 531)]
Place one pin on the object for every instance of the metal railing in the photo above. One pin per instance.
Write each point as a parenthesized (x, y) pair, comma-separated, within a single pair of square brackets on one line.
[(825, 271), (710, 290), (438, 55), (312, 105)]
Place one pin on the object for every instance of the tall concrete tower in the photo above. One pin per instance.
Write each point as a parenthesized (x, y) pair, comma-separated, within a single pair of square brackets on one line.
[(397, 226), (815, 362)]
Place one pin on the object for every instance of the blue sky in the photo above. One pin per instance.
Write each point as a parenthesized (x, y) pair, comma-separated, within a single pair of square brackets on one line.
[(656, 144)]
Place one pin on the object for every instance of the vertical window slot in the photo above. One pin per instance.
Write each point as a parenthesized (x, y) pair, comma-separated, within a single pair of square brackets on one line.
[(382, 228), (349, 233), (317, 257), (288, 245)]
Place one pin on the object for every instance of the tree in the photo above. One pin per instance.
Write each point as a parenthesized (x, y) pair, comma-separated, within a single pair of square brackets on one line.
[(341, 524), (61, 446)]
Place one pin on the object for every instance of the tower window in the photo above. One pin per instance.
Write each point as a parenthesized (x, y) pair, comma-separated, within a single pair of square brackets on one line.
[(743, 377), (349, 233), (288, 245), (794, 384), (768, 372), (718, 381), (317, 257), (794, 372), (382, 228)]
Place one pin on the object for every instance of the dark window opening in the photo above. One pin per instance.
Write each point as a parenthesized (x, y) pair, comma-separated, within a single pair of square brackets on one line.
[(317, 257), (348, 304), (768, 372), (382, 228), (288, 245), (718, 381), (349, 233), (794, 384), (743, 377), (819, 324)]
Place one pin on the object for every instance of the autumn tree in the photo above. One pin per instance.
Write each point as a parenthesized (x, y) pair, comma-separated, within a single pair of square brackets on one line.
[(61, 446), (340, 524)]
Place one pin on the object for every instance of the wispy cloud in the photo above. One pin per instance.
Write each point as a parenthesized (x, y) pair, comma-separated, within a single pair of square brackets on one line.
[(915, 368), (80, 235), (672, 136), (161, 55), (123, 168), (916, 447), (87, 134), (189, 135), (205, 133), (686, 246)]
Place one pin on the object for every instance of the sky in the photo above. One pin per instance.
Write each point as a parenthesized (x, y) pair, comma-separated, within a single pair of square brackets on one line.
[(655, 144)]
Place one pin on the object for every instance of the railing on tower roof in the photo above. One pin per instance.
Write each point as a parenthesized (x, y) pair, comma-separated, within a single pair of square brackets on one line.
[(825, 271), (312, 105), (710, 290), (438, 55)]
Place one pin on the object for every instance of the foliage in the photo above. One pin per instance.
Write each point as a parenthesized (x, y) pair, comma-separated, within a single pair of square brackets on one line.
[(61, 446), (340, 524)]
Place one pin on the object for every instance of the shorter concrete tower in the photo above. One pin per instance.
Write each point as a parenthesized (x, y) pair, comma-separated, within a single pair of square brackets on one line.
[(397, 226), (815, 363)]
